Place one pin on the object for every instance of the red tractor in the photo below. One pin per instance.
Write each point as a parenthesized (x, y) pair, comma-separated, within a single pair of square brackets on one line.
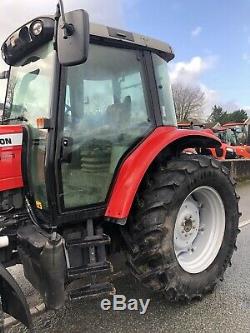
[(225, 151), (235, 141), (91, 165), (228, 150), (239, 135)]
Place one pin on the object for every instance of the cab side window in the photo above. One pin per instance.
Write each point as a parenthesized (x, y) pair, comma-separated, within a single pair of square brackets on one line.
[(164, 91)]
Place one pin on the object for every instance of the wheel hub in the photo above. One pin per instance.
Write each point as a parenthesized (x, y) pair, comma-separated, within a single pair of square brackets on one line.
[(187, 226), (199, 229)]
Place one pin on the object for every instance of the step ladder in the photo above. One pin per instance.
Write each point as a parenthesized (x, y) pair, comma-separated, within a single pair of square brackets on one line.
[(93, 245)]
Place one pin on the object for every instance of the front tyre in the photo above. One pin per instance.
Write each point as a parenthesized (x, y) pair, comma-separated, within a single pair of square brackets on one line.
[(184, 227)]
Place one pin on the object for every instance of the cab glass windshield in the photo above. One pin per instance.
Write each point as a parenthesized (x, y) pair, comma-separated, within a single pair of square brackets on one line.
[(29, 87), (28, 98)]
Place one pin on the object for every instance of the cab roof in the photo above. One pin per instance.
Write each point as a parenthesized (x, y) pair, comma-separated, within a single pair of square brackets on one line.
[(105, 32)]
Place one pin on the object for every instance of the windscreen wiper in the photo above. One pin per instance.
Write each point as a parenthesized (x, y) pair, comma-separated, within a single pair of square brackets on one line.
[(20, 118)]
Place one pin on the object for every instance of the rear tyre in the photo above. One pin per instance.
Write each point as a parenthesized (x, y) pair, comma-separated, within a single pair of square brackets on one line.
[(184, 227)]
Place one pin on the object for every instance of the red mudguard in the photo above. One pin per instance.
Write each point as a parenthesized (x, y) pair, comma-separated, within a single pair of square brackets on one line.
[(135, 166), (11, 138)]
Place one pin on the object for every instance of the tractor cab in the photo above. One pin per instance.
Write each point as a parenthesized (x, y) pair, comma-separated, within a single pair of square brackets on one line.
[(81, 120)]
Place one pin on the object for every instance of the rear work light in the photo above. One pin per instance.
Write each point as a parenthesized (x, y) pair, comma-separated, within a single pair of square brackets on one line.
[(27, 38), (36, 28), (13, 41)]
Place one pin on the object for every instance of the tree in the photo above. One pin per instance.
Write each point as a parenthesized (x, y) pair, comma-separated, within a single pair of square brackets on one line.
[(238, 116), (222, 117), (217, 115), (188, 101)]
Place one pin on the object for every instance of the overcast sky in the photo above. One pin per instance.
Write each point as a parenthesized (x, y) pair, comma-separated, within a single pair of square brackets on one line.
[(211, 38)]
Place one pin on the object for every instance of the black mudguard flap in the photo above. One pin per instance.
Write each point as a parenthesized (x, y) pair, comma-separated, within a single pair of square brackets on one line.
[(44, 264), (13, 300)]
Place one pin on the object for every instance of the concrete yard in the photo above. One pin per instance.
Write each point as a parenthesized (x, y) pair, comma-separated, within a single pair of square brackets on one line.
[(226, 310)]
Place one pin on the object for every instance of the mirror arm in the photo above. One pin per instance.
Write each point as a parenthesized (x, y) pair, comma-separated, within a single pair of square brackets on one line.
[(67, 27), (56, 17)]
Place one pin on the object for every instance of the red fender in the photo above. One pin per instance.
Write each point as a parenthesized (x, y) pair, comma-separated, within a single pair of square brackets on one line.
[(135, 166), (11, 137)]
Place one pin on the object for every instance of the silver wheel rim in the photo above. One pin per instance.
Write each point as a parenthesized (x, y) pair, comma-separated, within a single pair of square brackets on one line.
[(199, 229)]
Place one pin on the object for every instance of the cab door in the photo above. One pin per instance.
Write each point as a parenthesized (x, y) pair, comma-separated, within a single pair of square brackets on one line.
[(106, 112)]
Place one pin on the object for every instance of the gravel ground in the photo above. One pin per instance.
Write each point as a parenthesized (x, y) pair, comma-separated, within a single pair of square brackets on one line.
[(226, 310)]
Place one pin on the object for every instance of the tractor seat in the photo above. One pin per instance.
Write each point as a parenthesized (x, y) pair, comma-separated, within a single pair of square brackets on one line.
[(118, 114)]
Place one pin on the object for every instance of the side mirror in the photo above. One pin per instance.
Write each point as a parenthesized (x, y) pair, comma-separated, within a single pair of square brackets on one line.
[(73, 38)]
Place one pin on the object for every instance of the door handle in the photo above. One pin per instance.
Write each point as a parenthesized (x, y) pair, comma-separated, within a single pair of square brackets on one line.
[(66, 149)]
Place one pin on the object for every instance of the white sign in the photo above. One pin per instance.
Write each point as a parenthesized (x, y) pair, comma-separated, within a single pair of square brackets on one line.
[(120, 303), (9, 140)]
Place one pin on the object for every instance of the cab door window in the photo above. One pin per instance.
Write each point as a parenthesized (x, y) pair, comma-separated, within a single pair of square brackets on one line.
[(106, 113)]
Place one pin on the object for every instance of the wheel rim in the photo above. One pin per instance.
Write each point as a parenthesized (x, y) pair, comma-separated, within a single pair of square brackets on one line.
[(199, 229)]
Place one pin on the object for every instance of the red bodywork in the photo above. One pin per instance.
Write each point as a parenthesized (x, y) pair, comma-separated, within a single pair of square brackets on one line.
[(224, 147), (232, 125), (135, 166), (243, 151), (10, 157)]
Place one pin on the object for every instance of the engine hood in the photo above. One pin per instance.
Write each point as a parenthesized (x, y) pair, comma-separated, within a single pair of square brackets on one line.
[(11, 140)]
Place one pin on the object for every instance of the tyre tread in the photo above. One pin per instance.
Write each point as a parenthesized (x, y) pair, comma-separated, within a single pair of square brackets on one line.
[(147, 265)]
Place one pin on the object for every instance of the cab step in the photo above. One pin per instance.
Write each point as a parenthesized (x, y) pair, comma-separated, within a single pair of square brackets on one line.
[(92, 290), (90, 247), (87, 241), (80, 272)]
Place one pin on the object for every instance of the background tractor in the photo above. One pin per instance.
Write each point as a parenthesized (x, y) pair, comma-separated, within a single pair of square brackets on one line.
[(240, 139), (91, 165), (228, 137), (235, 140)]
